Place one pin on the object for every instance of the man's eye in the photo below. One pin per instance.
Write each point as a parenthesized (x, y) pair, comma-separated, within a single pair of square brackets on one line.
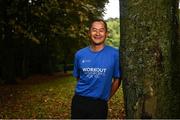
[(101, 30), (95, 30)]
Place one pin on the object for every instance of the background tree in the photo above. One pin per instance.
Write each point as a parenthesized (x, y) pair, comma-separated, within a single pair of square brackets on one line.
[(38, 35), (150, 58), (114, 32)]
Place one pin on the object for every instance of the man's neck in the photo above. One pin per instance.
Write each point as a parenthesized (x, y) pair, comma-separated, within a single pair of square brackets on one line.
[(97, 48)]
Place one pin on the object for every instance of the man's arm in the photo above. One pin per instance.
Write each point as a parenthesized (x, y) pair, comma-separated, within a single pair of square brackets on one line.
[(115, 85)]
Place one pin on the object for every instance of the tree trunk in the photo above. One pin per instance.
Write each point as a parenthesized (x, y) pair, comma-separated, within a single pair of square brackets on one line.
[(8, 53), (147, 46), (175, 61)]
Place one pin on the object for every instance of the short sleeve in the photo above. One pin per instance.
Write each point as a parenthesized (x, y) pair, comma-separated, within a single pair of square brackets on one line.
[(117, 70)]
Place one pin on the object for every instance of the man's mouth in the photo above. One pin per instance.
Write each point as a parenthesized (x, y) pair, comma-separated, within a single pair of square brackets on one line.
[(98, 37)]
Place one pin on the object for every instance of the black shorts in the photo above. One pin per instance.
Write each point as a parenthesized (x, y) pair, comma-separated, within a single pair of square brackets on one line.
[(88, 108)]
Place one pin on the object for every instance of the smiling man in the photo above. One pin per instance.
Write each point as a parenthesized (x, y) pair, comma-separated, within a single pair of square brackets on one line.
[(97, 70)]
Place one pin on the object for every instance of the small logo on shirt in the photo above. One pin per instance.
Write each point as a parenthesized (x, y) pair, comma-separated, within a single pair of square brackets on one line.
[(86, 61)]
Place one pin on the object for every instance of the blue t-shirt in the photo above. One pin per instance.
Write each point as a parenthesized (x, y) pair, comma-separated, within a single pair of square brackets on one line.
[(95, 71)]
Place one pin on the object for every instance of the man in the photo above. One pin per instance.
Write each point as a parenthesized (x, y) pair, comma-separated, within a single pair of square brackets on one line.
[(97, 70)]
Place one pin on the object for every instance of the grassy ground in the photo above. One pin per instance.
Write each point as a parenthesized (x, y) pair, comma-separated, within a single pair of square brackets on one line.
[(47, 97)]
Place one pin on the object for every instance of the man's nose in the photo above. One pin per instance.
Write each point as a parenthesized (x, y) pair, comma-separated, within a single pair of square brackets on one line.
[(97, 32)]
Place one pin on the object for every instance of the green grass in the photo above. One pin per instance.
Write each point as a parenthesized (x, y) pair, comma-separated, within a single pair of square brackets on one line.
[(49, 100)]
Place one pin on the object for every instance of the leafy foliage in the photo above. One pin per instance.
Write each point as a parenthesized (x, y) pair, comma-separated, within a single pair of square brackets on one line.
[(38, 35), (114, 32)]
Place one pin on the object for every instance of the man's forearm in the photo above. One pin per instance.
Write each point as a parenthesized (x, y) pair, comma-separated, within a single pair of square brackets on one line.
[(115, 85)]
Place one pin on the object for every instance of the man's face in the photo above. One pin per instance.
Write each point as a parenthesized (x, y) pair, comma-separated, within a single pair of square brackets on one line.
[(98, 33)]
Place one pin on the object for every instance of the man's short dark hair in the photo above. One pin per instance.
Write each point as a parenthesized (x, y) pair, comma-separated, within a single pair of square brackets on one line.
[(98, 20)]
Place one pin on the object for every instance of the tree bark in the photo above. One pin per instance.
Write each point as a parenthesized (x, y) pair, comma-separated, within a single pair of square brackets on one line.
[(147, 45)]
